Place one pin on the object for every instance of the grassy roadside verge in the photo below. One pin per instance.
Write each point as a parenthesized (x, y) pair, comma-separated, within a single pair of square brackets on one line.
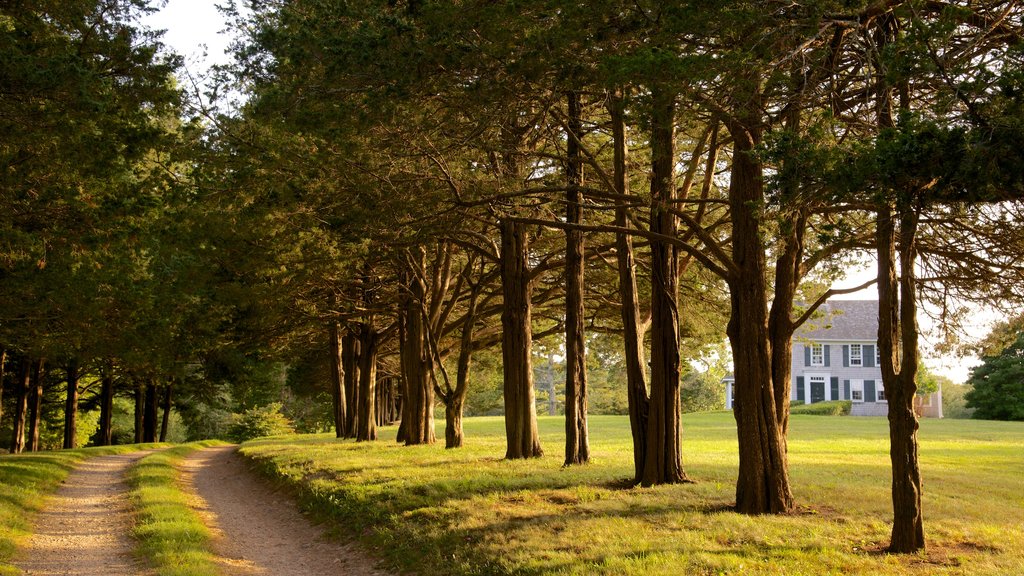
[(25, 481), (469, 512), (168, 532)]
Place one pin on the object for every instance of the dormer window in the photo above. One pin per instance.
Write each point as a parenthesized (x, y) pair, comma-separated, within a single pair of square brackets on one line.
[(856, 355), (817, 355)]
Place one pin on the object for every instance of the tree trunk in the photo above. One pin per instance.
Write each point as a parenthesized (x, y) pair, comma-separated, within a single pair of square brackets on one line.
[(151, 410), (36, 404), (3, 364), (337, 378), (663, 458), (140, 409), (897, 327), (71, 407), (453, 435), (577, 443), (418, 405), (106, 410), (367, 423), (522, 438), (350, 364), (633, 352), (21, 404), (166, 420), (763, 483)]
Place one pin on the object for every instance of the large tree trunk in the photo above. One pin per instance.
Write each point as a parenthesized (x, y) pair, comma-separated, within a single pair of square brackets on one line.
[(350, 364), (897, 328), (21, 404), (337, 379), (165, 421), (763, 483), (71, 407), (140, 409), (106, 432), (150, 412), (522, 438), (633, 352), (418, 399), (367, 423), (577, 442), (36, 404), (663, 459)]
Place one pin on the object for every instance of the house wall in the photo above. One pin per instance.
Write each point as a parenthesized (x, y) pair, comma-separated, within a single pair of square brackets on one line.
[(834, 370)]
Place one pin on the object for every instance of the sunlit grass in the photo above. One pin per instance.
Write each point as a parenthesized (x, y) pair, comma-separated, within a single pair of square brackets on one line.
[(26, 480), (169, 532), (468, 511)]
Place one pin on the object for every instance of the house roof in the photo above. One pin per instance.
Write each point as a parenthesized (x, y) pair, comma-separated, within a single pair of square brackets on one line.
[(842, 320)]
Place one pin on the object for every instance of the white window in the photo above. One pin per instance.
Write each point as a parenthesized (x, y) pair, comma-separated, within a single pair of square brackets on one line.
[(878, 356), (857, 390), (881, 395), (817, 355), (856, 355)]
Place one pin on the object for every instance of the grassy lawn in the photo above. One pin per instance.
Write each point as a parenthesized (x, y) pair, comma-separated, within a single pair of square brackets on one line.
[(467, 511), (170, 534), (25, 481)]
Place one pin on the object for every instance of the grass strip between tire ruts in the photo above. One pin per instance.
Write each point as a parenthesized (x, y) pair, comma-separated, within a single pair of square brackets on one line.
[(25, 482), (169, 532)]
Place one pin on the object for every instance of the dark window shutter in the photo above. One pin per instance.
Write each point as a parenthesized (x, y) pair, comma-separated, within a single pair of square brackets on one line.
[(846, 356), (869, 356), (807, 354), (825, 351), (835, 388), (869, 391), (800, 389), (846, 389)]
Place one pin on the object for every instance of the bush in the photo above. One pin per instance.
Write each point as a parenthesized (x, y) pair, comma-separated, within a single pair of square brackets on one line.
[(258, 422), (833, 408)]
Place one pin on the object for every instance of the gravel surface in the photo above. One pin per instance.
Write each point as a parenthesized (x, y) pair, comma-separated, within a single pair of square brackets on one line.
[(86, 525), (258, 530)]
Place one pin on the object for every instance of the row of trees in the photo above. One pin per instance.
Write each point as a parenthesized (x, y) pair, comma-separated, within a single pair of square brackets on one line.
[(430, 166), (409, 183)]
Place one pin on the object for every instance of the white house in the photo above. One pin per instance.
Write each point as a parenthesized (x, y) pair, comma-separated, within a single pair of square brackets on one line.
[(835, 357)]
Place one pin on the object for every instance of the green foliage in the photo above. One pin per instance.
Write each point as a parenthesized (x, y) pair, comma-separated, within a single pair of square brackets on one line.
[(259, 422), (954, 401), (832, 408), (998, 385), (701, 392), (470, 512), (170, 533)]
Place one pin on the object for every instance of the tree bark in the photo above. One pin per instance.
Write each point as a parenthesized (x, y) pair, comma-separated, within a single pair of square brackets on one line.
[(36, 404), (663, 459), (165, 421), (763, 483), (151, 410), (897, 328), (21, 404), (337, 378), (632, 335), (577, 442), (71, 407), (350, 364), (418, 400), (367, 423), (522, 438), (106, 432), (140, 408), (3, 364), (454, 402)]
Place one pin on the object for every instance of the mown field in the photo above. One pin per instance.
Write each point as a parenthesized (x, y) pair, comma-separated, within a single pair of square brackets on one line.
[(435, 511)]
